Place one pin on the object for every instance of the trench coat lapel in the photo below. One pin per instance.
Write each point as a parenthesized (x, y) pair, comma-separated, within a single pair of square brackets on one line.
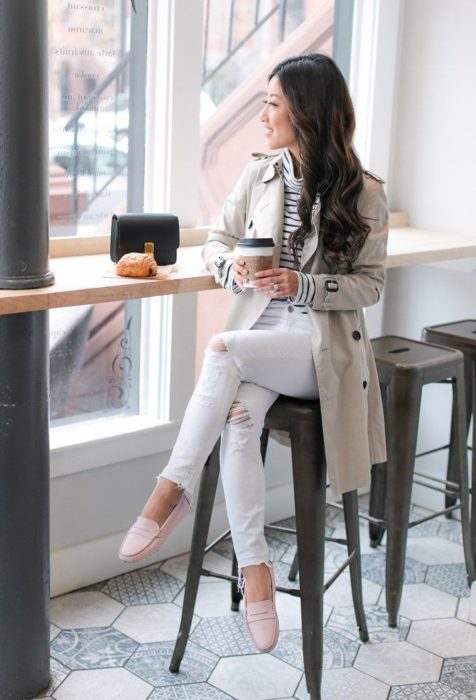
[(310, 243), (272, 204)]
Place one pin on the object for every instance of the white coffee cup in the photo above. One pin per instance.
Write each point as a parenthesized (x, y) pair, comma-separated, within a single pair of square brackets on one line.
[(257, 254)]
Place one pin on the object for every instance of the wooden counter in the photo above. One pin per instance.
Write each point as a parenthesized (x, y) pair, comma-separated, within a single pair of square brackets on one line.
[(80, 280)]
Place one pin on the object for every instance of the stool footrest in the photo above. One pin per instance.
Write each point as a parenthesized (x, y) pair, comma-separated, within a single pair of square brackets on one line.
[(372, 519), (450, 484), (434, 449), (336, 540), (338, 572), (448, 492), (450, 509), (219, 539)]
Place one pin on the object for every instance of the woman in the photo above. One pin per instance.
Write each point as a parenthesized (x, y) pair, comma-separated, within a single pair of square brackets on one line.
[(301, 332)]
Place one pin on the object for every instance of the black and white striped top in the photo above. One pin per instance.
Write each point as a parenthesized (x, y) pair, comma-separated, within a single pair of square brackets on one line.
[(306, 285), (292, 190)]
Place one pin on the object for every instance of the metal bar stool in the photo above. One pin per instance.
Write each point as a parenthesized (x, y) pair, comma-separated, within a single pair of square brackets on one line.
[(404, 366), (302, 420), (460, 335)]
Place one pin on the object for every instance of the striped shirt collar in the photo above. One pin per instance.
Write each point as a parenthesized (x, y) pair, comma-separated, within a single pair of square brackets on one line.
[(292, 183)]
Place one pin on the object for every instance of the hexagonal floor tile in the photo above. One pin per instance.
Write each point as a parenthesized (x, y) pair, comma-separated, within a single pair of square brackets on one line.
[(451, 530), (339, 594), (339, 649), (84, 609), (429, 550), (151, 662), (289, 611), (259, 677), (281, 571), (451, 578), (398, 663), (343, 620), (213, 599), (192, 691), (425, 691), (373, 568), (463, 609), (346, 683), (96, 647), (178, 566), (107, 684), (143, 587), (151, 623), (446, 638), (58, 674), (54, 631), (460, 674), (224, 636), (423, 602), (430, 528)]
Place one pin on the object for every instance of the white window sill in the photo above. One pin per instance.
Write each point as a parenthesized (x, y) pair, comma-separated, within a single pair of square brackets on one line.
[(97, 443)]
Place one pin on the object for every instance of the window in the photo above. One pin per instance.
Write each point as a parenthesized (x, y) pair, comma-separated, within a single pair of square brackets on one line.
[(93, 47), (243, 41), (94, 361), (97, 60)]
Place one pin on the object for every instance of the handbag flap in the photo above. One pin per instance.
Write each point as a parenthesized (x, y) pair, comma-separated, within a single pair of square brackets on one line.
[(130, 232)]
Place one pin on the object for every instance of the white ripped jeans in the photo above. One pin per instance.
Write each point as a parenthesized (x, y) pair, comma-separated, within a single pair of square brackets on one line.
[(235, 390)]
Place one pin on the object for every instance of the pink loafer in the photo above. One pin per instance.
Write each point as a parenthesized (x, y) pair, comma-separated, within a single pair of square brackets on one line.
[(146, 536), (261, 620)]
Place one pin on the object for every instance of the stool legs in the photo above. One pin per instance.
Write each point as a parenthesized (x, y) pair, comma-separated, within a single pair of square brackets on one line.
[(310, 501), (205, 500), (473, 462), (351, 515), (378, 495), (378, 489), (453, 463), (460, 432), (403, 410)]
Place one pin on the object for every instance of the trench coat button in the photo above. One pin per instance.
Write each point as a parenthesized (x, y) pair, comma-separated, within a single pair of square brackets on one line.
[(290, 309), (356, 335), (364, 385)]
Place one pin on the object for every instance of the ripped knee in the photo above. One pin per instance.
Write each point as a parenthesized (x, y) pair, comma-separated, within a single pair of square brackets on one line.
[(238, 414), (217, 344)]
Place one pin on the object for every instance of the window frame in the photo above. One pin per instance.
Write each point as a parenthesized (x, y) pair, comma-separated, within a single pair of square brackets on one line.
[(170, 170), (170, 184)]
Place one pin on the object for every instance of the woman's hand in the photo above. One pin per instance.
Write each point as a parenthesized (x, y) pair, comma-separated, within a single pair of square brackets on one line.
[(277, 283), (240, 273)]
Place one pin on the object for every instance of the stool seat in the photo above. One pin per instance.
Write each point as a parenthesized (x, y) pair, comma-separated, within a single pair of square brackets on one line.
[(395, 354), (302, 420), (404, 366), (459, 334)]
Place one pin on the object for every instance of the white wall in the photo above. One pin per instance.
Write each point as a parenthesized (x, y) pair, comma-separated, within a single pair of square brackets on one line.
[(433, 177)]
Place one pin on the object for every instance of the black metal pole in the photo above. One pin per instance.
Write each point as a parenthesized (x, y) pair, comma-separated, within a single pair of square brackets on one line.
[(24, 506), (23, 145), (24, 441)]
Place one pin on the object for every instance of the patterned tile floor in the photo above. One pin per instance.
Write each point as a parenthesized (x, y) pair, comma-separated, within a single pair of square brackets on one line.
[(114, 640)]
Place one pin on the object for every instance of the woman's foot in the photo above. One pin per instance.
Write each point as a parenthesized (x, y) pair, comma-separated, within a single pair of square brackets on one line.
[(261, 618), (162, 501), (164, 510)]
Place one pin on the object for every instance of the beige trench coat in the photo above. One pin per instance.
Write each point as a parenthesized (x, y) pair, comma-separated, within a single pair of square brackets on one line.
[(352, 415)]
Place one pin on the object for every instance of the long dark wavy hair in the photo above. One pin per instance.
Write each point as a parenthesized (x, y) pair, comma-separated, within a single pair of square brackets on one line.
[(322, 115)]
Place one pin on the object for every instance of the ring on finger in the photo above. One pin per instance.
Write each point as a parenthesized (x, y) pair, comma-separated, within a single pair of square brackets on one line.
[(275, 287)]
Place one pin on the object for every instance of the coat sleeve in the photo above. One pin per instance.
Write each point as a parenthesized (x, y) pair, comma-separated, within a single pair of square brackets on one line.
[(230, 227), (363, 285)]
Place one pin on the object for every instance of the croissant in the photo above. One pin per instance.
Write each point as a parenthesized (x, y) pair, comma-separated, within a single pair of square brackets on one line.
[(136, 265)]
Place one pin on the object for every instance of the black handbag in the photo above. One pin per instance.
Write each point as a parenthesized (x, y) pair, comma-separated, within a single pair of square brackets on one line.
[(130, 233)]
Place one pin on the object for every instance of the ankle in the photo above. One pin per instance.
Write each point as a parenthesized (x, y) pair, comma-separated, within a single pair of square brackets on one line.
[(162, 501), (258, 582)]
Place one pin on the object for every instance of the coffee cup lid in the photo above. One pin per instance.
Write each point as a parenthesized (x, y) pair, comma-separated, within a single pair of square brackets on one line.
[(256, 242)]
